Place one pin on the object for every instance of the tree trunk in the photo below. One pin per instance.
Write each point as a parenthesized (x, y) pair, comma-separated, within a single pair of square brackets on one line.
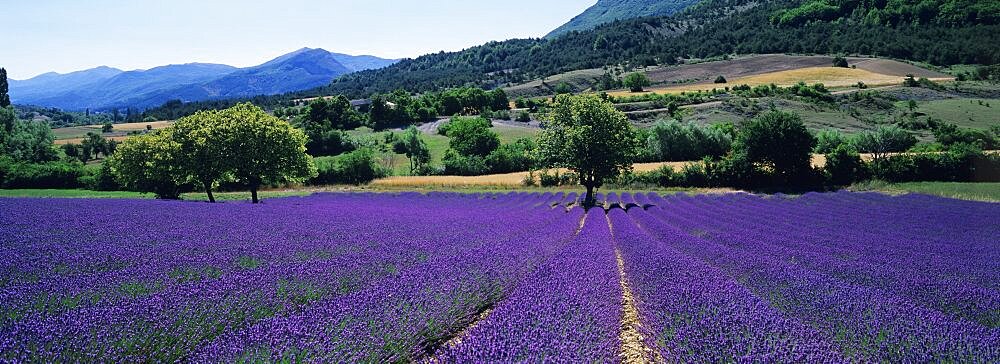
[(208, 191), (253, 194), (588, 201)]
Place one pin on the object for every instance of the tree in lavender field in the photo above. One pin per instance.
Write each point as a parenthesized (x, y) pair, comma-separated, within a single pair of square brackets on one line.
[(587, 135)]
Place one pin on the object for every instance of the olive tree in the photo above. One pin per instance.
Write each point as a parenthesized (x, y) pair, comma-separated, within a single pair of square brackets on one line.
[(262, 149), (587, 135)]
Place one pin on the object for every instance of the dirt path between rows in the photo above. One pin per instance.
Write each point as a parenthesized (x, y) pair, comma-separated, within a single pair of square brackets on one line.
[(634, 349)]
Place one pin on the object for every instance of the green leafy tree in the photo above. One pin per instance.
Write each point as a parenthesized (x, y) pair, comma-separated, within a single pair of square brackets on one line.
[(587, 135), (884, 140), (381, 114), (839, 61), (636, 81), (416, 150), (262, 149), (95, 144), (843, 165), (73, 151), (202, 150), (563, 88), (778, 141), (828, 140), (4, 89), (149, 163), (107, 128), (499, 100), (7, 121), (31, 142), (472, 136)]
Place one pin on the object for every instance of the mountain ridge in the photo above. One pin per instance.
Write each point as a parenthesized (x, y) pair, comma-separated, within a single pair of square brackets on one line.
[(106, 87)]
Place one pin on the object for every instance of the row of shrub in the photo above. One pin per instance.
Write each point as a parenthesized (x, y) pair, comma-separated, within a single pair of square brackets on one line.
[(60, 174), (844, 166), (357, 167)]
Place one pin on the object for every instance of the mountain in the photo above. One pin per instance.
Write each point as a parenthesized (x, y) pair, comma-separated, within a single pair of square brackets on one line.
[(126, 85), (362, 63), (606, 11), (46, 83), (103, 88)]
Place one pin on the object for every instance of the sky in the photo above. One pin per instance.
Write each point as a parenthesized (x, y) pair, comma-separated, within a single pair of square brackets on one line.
[(40, 36)]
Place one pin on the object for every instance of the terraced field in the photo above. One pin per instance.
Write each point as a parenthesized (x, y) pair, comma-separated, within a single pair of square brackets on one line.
[(841, 277)]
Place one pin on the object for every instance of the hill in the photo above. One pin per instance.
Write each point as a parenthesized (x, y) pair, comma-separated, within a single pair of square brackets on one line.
[(606, 11), (940, 35), (105, 88)]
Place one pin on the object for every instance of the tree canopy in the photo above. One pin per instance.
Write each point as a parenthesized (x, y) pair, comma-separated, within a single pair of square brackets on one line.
[(242, 144), (636, 81), (588, 136), (262, 149), (779, 141)]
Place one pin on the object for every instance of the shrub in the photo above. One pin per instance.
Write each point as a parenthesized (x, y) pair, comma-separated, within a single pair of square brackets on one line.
[(828, 140), (948, 134), (456, 164), (844, 166), (883, 140), (779, 142), (524, 116), (663, 176), (692, 175), (58, 174), (329, 142), (839, 61), (471, 136), (513, 157), (100, 179), (720, 79), (636, 81), (674, 141), (956, 165), (356, 168)]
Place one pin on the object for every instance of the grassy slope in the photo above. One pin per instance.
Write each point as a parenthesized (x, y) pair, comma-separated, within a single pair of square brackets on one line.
[(964, 112)]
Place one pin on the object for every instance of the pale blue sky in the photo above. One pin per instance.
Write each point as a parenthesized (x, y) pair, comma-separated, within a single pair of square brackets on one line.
[(69, 35)]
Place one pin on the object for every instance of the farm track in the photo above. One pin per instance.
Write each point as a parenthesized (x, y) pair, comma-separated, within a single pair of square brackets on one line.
[(634, 349)]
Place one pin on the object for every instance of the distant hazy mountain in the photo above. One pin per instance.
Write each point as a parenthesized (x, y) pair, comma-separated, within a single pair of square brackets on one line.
[(606, 11), (361, 63), (51, 83), (105, 87)]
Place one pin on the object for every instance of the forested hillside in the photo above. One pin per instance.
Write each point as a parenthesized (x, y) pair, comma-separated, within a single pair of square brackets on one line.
[(938, 32)]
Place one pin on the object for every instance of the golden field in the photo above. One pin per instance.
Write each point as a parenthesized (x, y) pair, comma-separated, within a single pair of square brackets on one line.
[(829, 76)]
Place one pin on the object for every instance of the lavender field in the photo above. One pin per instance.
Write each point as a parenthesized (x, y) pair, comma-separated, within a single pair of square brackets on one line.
[(518, 277)]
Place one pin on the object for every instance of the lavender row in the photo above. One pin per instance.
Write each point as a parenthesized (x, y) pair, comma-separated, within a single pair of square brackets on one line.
[(568, 310), (694, 312)]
